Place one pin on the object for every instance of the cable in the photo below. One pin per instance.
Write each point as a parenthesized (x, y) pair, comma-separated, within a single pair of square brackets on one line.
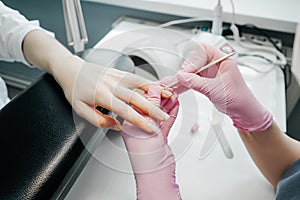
[(287, 71), (261, 32), (243, 64), (184, 21), (233, 11), (282, 60), (255, 55), (216, 25)]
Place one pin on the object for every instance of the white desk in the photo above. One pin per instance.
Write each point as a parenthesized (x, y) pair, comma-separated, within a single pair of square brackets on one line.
[(214, 177), (269, 14)]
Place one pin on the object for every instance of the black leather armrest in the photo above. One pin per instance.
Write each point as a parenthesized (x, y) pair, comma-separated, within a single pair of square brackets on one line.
[(39, 139), (38, 143)]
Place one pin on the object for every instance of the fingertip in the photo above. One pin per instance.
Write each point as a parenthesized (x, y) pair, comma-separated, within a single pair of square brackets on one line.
[(117, 126), (158, 114), (166, 93), (106, 121), (147, 124), (152, 128)]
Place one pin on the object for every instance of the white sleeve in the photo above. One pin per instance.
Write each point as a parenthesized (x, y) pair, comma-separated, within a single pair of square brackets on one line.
[(3, 94), (13, 29)]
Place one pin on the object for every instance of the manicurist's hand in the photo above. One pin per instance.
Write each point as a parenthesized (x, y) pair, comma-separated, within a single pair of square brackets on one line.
[(224, 85)]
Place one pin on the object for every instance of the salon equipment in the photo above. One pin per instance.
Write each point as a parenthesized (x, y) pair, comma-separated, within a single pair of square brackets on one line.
[(75, 25)]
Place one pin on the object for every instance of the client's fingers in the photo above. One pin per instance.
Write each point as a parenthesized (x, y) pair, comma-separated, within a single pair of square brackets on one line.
[(131, 115), (172, 107), (97, 118), (154, 94), (141, 103)]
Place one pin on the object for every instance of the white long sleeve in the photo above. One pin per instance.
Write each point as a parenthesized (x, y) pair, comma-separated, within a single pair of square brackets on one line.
[(13, 29)]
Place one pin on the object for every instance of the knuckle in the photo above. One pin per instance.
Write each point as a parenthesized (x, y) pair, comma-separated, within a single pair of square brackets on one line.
[(123, 111)]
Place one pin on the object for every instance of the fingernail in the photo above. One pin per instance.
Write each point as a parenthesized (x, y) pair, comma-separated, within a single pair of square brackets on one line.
[(153, 128), (163, 115), (168, 93), (116, 127)]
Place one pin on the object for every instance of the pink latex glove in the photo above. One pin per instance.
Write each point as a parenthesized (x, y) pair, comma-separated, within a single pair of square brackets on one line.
[(224, 85), (151, 158), (193, 60)]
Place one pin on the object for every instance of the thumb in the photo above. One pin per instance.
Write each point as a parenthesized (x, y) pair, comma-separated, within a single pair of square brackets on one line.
[(97, 118), (194, 60), (154, 94), (172, 106), (194, 81)]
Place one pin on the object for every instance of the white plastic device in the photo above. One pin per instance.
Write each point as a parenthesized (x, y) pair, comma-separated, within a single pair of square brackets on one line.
[(75, 25), (217, 20)]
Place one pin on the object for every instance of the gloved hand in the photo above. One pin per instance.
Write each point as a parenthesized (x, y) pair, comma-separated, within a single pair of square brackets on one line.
[(193, 60), (152, 160), (223, 84)]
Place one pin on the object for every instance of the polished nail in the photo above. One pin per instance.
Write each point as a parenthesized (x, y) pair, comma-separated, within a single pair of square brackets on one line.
[(116, 127), (165, 116), (168, 93), (162, 115), (153, 128)]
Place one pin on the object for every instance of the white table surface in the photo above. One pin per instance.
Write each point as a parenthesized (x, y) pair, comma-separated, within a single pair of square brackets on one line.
[(212, 177), (269, 14)]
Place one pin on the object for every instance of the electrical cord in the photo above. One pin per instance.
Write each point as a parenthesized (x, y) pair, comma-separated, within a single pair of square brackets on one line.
[(263, 33), (184, 21), (255, 55), (286, 69), (281, 62), (243, 64)]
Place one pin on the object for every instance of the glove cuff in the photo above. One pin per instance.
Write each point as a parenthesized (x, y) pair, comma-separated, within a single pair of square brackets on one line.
[(262, 122)]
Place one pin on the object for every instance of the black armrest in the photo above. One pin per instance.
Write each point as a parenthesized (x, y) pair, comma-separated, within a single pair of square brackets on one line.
[(39, 139), (38, 143)]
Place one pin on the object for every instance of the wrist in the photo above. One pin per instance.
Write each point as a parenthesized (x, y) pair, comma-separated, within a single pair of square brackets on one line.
[(65, 71), (65, 66), (261, 125), (253, 119)]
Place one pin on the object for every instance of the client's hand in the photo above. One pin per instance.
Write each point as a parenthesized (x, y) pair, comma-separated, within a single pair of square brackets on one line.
[(224, 85), (87, 85), (152, 160)]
